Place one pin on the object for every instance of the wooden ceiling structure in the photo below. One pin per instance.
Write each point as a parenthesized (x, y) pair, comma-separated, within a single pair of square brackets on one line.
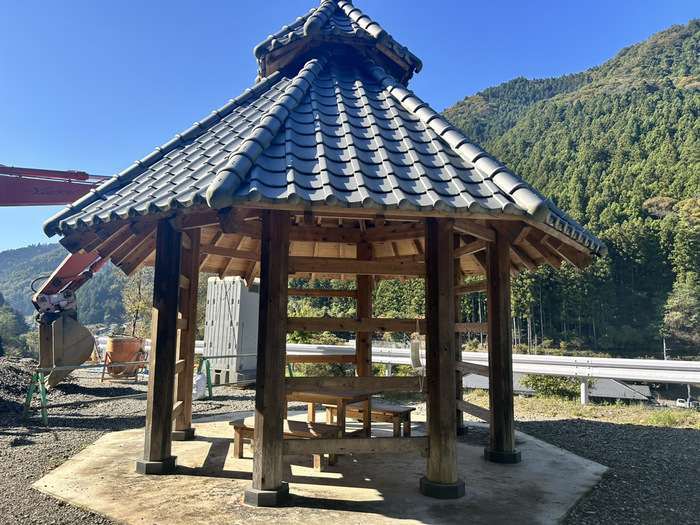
[(277, 230)]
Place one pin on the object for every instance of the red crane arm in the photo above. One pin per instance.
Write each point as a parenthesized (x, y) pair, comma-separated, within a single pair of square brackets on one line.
[(38, 187)]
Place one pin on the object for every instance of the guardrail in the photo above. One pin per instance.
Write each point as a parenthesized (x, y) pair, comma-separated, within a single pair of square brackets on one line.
[(588, 367), (584, 368)]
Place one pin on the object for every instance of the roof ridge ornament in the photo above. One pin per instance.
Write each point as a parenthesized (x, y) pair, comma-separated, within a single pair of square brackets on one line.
[(228, 179), (335, 23), (318, 18)]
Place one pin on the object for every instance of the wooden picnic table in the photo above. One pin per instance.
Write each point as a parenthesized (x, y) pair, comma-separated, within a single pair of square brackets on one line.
[(341, 400)]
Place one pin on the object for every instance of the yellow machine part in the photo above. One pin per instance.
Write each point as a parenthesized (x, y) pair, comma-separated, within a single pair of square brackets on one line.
[(65, 342)]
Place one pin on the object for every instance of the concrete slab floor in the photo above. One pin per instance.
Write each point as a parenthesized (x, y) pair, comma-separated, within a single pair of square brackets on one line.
[(209, 484)]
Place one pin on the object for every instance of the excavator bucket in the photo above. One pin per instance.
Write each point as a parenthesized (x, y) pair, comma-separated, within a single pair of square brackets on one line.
[(72, 346)]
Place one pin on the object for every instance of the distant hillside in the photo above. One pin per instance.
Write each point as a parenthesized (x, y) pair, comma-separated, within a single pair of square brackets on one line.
[(618, 148), (99, 299)]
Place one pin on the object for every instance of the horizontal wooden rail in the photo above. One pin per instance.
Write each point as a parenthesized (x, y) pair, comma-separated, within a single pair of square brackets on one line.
[(296, 358), (359, 384), (311, 292), (330, 265), (179, 366), (356, 445), (476, 286), (474, 410), (351, 324), (471, 328), (472, 368), (178, 408)]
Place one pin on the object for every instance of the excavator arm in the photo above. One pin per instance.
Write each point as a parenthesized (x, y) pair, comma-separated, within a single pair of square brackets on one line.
[(38, 187), (63, 340)]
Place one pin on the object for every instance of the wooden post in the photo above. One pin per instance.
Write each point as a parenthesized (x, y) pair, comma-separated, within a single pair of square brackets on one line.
[(267, 488), (441, 480), (157, 458), (502, 445), (459, 396), (185, 346), (363, 340)]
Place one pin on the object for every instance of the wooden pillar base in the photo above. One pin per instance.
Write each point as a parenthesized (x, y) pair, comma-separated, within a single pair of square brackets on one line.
[(442, 490), (266, 498), (167, 466), (462, 431), (495, 456), (183, 435)]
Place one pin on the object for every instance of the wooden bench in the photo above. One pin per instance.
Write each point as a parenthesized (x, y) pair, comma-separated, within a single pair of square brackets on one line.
[(398, 415), (243, 429)]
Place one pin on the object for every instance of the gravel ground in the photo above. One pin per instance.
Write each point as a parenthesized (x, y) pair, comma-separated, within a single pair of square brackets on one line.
[(653, 476)]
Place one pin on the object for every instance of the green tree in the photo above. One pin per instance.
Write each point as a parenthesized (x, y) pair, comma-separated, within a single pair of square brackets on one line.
[(138, 300), (682, 319)]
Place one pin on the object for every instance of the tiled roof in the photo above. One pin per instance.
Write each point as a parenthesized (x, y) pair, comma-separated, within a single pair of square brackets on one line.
[(339, 19), (339, 132)]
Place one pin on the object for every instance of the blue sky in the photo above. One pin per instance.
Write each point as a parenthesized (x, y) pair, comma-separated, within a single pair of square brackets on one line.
[(93, 86)]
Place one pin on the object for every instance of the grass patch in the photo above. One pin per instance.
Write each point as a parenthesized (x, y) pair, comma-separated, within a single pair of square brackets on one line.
[(548, 408), (674, 418)]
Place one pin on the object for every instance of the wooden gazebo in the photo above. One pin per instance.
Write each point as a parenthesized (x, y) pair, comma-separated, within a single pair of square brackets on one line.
[(328, 167)]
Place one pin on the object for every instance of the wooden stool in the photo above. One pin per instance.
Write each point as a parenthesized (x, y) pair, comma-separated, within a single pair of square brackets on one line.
[(244, 429), (395, 414)]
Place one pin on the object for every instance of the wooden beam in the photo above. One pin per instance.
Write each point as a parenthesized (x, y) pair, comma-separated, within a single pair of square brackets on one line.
[(472, 328), (395, 232), (363, 340), (272, 332), (359, 384), (524, 258), (251, 274), (502, 417), (470, 248), (579, 259), (334, 358), (309, 233), (350, 324), (208, 249), (231, 219), (522, 235), (474, 410), (115, 240), (440, 351), (131, 246), (157, 446), (459, 391), (178, 408), (333, 265), (315, 292), (552, 259), (198, 220), (470, 227), (472, 368), (137, 258), (187, 324), (358, 445), (472, 287)]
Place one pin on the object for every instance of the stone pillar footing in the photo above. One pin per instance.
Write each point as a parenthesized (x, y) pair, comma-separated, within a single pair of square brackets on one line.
[(502, 457), (183, 435), (442, 490), (462, 431), (166, 466), (266, 498)]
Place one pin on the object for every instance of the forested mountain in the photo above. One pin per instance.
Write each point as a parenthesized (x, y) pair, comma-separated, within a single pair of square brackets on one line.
[(618, 147), (99, 300)]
